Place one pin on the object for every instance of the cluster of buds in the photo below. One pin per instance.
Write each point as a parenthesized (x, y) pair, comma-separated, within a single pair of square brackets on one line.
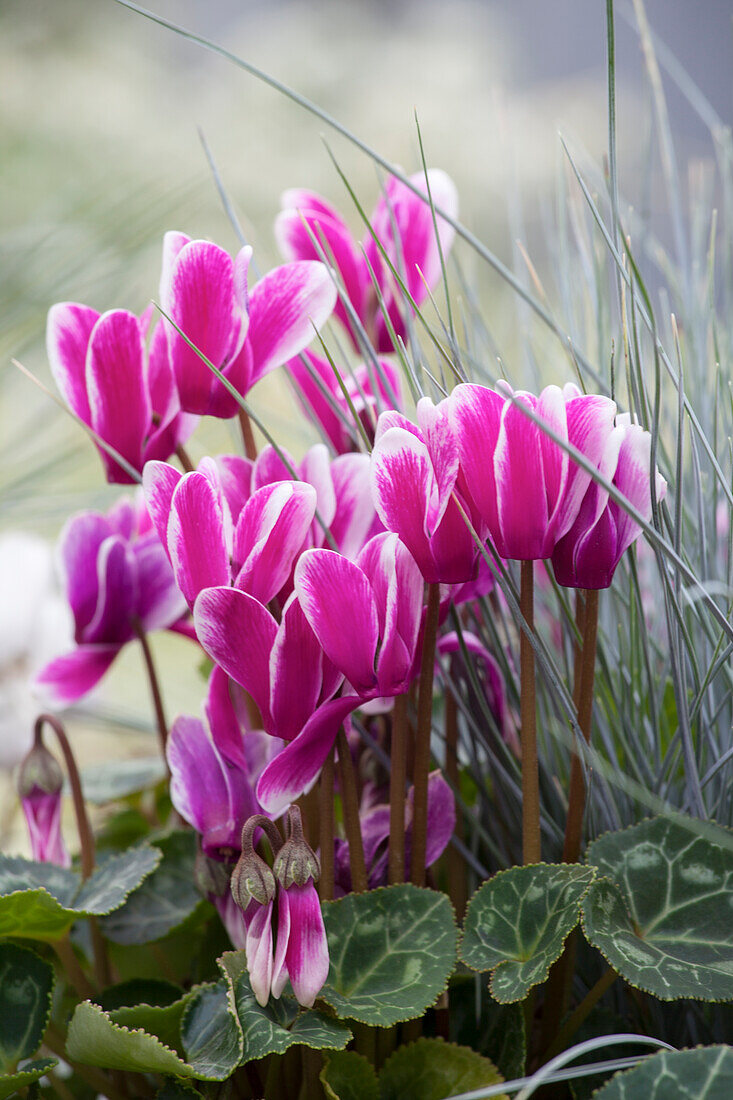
[(285, 892)]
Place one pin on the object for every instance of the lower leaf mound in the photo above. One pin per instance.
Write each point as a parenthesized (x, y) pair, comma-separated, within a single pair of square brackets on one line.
[(392, 951), (31, 1071), (702, 1074), (517, 922), (662, 915), (432, 1069), (26, 985)]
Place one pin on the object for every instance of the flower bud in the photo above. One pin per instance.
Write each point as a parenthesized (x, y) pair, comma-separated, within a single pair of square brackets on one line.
[(40, 783), (40, 772), (252, 878), (296, 862)]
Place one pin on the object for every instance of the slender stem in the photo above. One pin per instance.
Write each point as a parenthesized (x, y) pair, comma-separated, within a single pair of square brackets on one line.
[(576, 795), (397, 780), (352, 825), (154, 689), (184, 459), (531, 842), (581, 1013), (72, 967), (422, 737), (83, 828), (250, 447), (325, 791), (456, 865)]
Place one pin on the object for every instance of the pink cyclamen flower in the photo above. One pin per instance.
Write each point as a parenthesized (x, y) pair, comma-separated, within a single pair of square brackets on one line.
[(126, 394), (244, 334), (416, 492), (118, 580), (524, 486), (371, 389), (301, 954), (402, 222), (587, 556), (40, 786)]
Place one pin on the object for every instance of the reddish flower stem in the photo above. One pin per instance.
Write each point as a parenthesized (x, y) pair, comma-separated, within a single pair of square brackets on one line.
[(397, 779), (326, 828), (422, 738), (154, 689), (184, 459), (250, 447), (352, 824), (456, 865), (576, 795), (531, 841)]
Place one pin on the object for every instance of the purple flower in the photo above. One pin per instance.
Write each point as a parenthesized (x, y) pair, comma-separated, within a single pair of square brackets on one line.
[(322, 398), (245, 334), (587, 556), (523, 485), (125, 394), (403, 224), (301, 954), (40, 786), (415, 487), (118, 580)]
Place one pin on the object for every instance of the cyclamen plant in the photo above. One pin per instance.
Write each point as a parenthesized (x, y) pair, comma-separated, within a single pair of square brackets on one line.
[(395, 714)]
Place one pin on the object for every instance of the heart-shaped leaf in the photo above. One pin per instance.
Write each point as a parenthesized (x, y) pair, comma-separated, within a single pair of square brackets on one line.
[(349, 1076), (10, 1083), (705, 1074), (392, 951), (663, 913), (432, 1069), (517, 922), (211, 1035), (26, 985)]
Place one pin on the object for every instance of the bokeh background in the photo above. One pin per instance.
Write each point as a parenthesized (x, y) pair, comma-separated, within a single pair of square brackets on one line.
[(101, 118)]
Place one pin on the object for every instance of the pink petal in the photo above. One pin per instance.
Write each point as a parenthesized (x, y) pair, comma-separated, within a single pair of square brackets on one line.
[(286, 307), (397, 585), (356, 516), (196, 540), (159, 484), (313, 400), (590, 424), (238, 633), (520, 486), (294, 771), (226, 731), (443, 449), (66, 679), (258, 946), (316, 470), (441, 817), (198, 787), (79, 547), (402, 484), (173, 242), (295, 672), (269, 533), (116, 594), (68, 330), (119, 402), (159, 600), (333, 591), (235, 477), (279, 970), (270, 467), (475, 413), (307, 948), (633, 480)]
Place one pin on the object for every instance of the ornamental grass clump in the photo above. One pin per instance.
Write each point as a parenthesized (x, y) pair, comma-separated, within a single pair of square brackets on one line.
[(456, 807)]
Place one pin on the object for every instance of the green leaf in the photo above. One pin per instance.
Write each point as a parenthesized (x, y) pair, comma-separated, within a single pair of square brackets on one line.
[(42, 901), (31, 1071), (517, 922), (161, 1021), (281, 1024), (164, 901), (349, 1076), (112, 780), (663, 914), (26, 985), (479, 1022), (210, 1033), (432, 1069), (392, 951), (95, 1040), (176, 1090), (705, 1074), (149, 991)]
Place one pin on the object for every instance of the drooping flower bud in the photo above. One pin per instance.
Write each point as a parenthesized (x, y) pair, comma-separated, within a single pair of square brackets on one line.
[(40, 783), (252, 878), (296, 862)]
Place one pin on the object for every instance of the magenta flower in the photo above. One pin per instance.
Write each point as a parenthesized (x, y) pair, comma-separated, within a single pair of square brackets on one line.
[(414, 484), (206, 549), (127, 396), (321, 397), (301, 954), (523, 485), (40, 786), (118, 580), (402, 222), (587, 556), (375, 825), (244, 334)]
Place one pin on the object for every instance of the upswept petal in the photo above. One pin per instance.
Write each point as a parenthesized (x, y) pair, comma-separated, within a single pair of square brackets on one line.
[(590, 422), (160, 481), (355, 518), (453, 546), (339, 603), (520, 488), (235, 477), (270, 466), (316, 470), (159, 600), (402, 483), (475, 413), (173, 242), (196, 537), (202, 301), (258, 946), (286, 306), (68, 329), (117, 594), (198, 787), (78, 549), (314, 381), (550, 407), (295, 672), (269, 533), (441, 817), (294, 770), (397, 585), (66, 679), (443, 451), (226, 732), (119, 402), (633, 480), (238, 633)]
